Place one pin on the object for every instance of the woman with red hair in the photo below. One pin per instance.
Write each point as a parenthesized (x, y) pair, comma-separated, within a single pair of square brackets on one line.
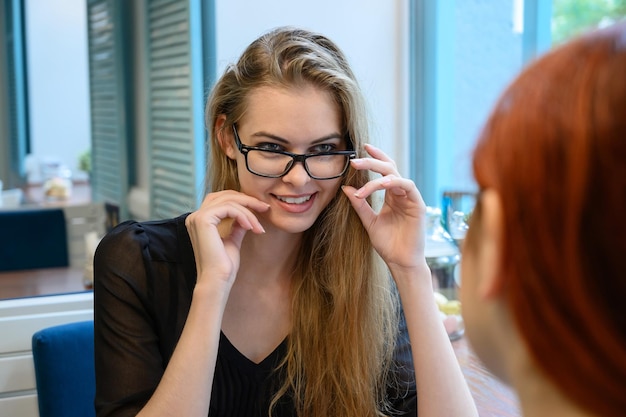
[(544, 271)]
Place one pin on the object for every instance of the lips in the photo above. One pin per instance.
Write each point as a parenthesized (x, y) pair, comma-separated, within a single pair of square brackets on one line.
[(296, 204), (295, 200)]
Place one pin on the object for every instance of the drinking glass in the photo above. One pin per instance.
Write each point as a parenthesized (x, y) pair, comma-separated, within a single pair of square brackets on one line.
[(456, 209)]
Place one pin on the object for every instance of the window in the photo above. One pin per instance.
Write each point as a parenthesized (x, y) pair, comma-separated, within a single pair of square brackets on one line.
[(572, 17), (463, 55)]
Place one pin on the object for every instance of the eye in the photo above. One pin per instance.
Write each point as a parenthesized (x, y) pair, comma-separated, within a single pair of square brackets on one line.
[(324, 147), (269, 146)]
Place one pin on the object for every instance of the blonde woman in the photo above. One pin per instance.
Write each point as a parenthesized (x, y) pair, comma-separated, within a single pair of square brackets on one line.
[(276, 296)]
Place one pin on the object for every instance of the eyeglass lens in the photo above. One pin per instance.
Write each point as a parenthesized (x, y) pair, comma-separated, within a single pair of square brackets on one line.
[(275, 164)]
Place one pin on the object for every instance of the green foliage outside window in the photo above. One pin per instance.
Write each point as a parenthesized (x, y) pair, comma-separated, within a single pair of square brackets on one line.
[(572, 17), (84, 161)]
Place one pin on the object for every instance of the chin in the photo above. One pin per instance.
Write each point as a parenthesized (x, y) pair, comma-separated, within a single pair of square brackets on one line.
[(294, 227), (295, 224)]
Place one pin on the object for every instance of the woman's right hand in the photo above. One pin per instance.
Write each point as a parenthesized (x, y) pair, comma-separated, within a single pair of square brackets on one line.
[(186, 385), (217, 229)]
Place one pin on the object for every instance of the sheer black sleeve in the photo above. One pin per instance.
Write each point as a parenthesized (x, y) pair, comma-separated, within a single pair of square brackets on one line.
[(142, 293)]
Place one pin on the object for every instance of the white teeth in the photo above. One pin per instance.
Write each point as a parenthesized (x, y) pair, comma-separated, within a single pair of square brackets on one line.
[(298, 200)]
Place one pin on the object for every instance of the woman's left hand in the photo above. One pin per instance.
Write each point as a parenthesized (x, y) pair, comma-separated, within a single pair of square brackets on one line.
[(397, 230)]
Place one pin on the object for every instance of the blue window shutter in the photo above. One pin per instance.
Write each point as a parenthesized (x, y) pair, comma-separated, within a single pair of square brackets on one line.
[(109, 99), (176, 93), (16, 141)]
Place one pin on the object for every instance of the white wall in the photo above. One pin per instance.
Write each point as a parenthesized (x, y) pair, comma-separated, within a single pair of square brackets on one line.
[(58, 86), (372, 33)]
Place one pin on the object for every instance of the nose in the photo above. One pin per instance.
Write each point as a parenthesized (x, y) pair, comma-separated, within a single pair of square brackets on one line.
[(297, 175)]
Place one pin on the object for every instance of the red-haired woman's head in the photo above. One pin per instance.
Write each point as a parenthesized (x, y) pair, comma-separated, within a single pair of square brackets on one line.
[(554, 151)]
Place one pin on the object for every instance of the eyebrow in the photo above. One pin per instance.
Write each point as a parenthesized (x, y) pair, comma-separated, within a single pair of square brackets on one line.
[(262, 134)]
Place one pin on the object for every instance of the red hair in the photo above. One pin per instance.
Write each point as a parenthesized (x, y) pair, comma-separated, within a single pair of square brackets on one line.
[(554, 149)]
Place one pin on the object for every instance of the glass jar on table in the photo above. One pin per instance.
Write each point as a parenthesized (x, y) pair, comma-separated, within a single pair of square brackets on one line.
[(57, 181), (443, 258)]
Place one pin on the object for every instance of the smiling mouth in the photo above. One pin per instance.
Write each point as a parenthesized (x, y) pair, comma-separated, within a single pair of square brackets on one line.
[(294, 200)]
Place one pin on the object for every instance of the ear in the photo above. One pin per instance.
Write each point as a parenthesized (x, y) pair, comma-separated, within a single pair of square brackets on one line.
[(491, 280), (225, 138)]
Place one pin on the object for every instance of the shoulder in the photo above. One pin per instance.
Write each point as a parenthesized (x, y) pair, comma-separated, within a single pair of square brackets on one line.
[(157, 240), (145, 264)]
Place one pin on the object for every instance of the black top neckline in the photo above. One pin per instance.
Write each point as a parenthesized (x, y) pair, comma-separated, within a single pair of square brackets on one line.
[(267, 365)]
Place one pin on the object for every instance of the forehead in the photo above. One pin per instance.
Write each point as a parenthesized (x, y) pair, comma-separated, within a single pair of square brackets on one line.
[(286, 110)]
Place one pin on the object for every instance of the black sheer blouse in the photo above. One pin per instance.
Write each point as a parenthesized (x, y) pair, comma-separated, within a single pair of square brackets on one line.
[(144, 279)]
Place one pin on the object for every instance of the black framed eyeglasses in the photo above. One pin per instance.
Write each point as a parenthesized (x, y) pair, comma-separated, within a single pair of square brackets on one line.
[(271, 163)]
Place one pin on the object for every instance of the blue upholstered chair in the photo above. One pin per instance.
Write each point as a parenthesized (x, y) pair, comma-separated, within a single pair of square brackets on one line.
[(64, 370)]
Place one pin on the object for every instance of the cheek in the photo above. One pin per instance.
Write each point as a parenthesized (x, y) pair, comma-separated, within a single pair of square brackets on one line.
[(335, 187), (467, 290), (478, 315), (473, 316), (470, 270), (332, 185), (466, 280), (248, 182), (331, 188)]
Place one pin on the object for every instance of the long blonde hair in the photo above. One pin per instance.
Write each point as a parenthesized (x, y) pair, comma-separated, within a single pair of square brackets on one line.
[(344, 308)]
